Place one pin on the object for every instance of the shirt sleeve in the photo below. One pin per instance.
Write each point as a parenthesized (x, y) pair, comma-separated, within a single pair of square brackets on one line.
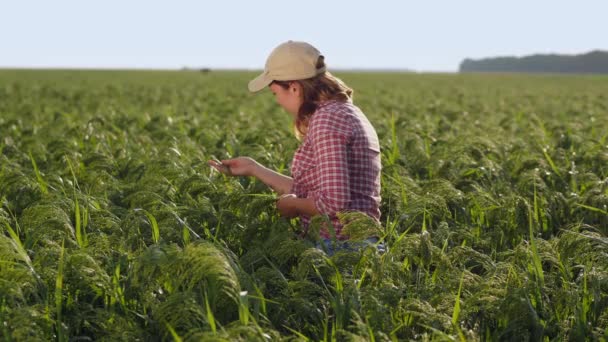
[(330, 149)]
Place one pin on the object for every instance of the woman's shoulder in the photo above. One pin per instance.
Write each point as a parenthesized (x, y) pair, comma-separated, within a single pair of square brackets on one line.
[(333, 115), (334, 105), (334, 110)]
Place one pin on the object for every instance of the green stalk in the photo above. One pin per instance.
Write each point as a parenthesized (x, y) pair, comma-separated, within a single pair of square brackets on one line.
[(334, 331), (41, 182), (261, 298), (394, 153), (586, 300), (58, 296), (588, 207), (81, 235), (210, 316), (153, 224), (78, 228), (119, 294), (539, 215), (186, 235), (243, 308), (456, 311), (372, 338), (174, 334), (155, 230), (537, 266), (19, 246), (551, 163), (297, 333), (396, 179), (326, 328)]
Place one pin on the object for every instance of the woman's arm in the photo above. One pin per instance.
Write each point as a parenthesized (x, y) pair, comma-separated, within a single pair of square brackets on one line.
[(245, 166), (278, 182), (290, 205)]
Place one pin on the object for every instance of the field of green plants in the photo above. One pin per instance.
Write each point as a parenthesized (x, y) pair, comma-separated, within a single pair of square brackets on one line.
[(113, 227)]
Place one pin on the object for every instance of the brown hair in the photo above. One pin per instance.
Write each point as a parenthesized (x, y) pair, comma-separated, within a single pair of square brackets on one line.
[(315, 90)]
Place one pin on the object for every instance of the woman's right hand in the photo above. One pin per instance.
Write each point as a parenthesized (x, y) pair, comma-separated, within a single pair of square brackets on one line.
[(240, 166)]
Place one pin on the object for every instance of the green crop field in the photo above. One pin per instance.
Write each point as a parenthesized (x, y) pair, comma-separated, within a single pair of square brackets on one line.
[(113, 227)]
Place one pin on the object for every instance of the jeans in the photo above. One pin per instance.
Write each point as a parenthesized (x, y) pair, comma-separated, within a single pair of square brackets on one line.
[(331, 248)]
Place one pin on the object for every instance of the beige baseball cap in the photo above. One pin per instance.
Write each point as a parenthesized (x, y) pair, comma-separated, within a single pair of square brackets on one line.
[(288, 62)]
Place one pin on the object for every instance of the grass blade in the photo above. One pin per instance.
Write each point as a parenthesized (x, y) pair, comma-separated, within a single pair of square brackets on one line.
[(153, 224), (210, 316), (41, 182), (59, 296)]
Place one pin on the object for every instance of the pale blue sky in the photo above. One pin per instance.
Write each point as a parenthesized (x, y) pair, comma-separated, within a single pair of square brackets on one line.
[(419, 35)]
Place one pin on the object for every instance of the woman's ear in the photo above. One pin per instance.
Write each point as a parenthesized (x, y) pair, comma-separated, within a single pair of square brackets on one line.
[(295, 87)]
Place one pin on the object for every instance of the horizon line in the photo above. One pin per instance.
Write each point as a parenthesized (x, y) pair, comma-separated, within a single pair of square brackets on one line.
[(189, 68)]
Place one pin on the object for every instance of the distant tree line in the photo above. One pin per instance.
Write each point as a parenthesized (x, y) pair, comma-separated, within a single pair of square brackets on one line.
[(593, 62)]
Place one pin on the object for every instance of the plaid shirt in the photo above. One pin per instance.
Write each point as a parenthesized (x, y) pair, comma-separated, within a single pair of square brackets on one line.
[(338, 164)]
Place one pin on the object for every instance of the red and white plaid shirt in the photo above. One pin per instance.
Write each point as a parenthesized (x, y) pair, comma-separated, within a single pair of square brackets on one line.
[(338, 164)]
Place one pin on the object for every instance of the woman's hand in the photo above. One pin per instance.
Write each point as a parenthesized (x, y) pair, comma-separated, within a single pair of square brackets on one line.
[(287, 205), (240, 166)]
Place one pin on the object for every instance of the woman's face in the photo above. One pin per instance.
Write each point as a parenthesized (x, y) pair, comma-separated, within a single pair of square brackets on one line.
[(290, 99)]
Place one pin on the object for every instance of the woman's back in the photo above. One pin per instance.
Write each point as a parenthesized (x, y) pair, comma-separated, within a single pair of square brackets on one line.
[(338, 163)]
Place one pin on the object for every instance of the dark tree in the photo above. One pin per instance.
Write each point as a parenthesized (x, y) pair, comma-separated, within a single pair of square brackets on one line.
[(594, 62)]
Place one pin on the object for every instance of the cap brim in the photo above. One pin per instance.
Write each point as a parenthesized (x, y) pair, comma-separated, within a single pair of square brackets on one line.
[(259, 83)]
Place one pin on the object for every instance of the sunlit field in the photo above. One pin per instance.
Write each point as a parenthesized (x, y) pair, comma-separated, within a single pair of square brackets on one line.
[(113, 227)]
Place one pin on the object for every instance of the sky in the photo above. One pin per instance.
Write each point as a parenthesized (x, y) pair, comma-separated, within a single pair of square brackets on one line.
[(431, 35)]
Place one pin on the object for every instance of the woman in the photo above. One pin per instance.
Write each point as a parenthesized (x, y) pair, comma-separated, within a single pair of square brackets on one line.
[(337, 165)]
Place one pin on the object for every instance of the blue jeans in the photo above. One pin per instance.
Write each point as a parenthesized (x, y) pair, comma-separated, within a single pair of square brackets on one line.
[(330, 248)]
